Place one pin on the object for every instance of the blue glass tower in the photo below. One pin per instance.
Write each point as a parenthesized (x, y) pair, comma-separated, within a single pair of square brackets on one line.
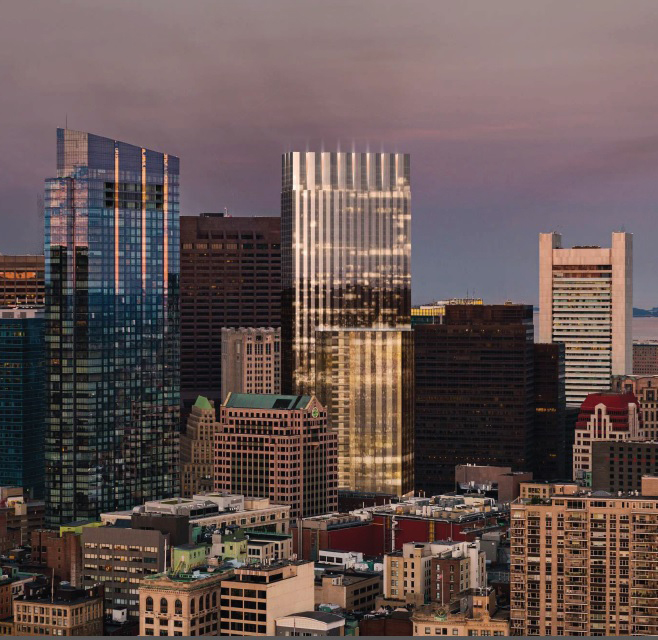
[(22, 399), (112, 327)]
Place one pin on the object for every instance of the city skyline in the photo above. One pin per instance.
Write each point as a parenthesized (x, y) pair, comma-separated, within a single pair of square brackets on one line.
[(507, 136)]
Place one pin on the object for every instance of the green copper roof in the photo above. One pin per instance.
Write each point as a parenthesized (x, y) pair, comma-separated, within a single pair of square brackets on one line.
[(266, 401), (202, 403)]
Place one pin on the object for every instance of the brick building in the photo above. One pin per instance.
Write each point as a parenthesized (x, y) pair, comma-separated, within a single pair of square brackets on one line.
[(61, 553)]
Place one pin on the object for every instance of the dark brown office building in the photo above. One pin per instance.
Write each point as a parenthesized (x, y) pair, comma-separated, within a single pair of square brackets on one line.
[(550, 412), (474, 392), (619, 465), (230, 277), (645, 358), (22, 282)]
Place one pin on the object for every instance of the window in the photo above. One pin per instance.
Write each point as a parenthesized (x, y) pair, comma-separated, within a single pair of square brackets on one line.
[(149, 604), (178, 608), (163, 605)]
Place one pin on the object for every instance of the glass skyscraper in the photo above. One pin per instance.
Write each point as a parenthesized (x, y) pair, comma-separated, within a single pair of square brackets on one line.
[(112, 327), (346, 306), (22, 399)]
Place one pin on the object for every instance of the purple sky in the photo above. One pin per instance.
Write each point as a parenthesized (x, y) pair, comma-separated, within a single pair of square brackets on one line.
[(519, 116)]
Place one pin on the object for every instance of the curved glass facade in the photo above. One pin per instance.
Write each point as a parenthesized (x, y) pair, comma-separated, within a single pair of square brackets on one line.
[(112, 327)]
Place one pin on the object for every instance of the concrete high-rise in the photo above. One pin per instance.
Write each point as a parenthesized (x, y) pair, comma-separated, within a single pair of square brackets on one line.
[(346, 279), (230, 277), (112, 327), (586, 301)]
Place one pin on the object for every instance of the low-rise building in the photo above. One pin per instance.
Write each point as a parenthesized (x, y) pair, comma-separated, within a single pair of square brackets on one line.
[(423, 572), (500, 483), (253, 599), (480, 618), (543, 490), (120, 558), (181, 603), (66, 611), (349, 589), (214, 510), (310, 623), (387, 623), (60, 553), (252, 547), (19, 516)]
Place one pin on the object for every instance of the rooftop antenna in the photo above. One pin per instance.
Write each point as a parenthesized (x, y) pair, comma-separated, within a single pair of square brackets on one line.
[(66, 121)]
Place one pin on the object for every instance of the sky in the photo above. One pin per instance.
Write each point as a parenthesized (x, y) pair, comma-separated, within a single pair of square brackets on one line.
[(519, 116)]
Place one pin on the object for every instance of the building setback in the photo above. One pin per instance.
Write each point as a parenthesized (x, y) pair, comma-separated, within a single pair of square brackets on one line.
[(22, 399), (277, 447), (230, 277), (475, 398), (586, 302), (112, 327), (346, 279), (22, 281)]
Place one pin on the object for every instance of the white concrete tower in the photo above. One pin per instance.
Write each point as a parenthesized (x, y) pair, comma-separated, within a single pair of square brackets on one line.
[(586, 301)]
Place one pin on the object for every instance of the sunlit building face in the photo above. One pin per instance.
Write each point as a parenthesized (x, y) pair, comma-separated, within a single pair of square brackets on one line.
[(346, 265)]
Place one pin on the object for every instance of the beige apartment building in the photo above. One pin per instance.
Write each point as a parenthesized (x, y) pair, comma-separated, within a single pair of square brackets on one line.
[(256, 596), (420, 572), (66, 611), (183, 604), (350, 589), (480, 618), (197, 449), (586, 302), (585, 564), (645, 389), (251, 360)]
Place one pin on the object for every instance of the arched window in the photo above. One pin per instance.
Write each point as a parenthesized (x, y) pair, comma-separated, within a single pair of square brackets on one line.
[(178, 608), (149, 604), (163, 605), (200, 604), (192, 605), (207, 601), (214, 598)]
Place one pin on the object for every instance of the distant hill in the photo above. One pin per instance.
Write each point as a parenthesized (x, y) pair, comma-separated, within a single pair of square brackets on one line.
[(645, 313)]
